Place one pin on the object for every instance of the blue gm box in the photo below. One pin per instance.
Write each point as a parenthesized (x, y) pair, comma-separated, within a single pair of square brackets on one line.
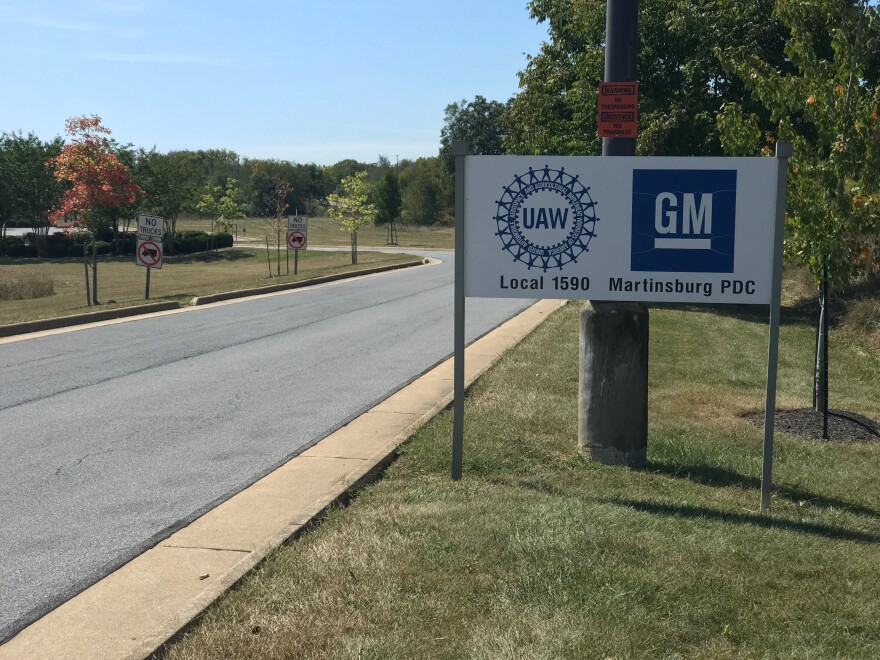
[(683, 221)]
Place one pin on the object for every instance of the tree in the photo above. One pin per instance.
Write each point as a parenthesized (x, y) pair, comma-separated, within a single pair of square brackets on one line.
[(28, 188), (223, 206), (388, 200), (352, 208), (428, 192), (682, 82), (476, 122), (101, 185), (827, 106), (169, 181), (276, 205)]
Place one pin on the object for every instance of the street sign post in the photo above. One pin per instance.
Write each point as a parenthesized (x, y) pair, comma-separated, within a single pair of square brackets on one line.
[(297, 237), (148, 252)]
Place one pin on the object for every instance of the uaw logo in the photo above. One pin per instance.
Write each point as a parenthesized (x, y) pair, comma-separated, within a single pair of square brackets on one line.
[(683, 220), (546, 218)]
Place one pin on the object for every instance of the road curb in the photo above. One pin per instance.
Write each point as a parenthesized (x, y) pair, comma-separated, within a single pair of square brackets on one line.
[(80, 319), (273, 288), (152, 599)]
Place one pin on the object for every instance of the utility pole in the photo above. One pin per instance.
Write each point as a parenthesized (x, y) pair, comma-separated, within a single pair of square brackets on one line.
[(613, 390)]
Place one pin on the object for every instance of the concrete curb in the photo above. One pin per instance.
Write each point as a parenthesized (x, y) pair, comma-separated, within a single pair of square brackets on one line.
[(244, 293), (28, 327), (80, 319), (136, 610)]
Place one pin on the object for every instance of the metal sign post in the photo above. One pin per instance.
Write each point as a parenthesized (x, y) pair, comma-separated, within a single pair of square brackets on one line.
[(783, 151), (148, 247), (459, 151)]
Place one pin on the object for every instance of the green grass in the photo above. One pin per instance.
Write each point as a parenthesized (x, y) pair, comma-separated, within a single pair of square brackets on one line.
[(538, 553), (181, 278), (325, 232)]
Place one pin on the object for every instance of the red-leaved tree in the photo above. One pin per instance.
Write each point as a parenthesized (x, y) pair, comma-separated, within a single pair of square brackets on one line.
[(101, 188)]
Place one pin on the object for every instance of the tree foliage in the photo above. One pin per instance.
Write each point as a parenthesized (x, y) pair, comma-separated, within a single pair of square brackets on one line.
[(476, 122), (223, 205), (682, 82), (28, 187), (352, 208), (827, 106), (169, 181), (388, 200), (100, 184), (101, 188)]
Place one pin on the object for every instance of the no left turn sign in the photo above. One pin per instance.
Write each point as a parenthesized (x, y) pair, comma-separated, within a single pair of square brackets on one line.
[(149, 254)]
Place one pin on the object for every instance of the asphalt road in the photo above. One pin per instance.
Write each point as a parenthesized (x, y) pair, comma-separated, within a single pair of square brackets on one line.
[(114, 437)]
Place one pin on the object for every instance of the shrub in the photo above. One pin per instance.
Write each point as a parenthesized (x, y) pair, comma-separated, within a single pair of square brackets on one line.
[(223, 240), (76, 249), (21, 250), (103, 247), (26, 287)]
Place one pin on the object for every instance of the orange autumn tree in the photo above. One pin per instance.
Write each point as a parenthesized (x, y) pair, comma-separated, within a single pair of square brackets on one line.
[(101, 188)]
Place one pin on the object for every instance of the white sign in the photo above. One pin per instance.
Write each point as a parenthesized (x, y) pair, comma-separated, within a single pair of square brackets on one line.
[(150, 226), (696, 230), (148, 253), (297, 232)]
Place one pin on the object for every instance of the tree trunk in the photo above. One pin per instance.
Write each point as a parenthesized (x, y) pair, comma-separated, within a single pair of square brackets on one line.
[(170, 235), (820, 383), (354, 248)]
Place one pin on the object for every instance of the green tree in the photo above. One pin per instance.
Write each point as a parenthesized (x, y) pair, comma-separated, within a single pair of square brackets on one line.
[(170, 183), (427, 190), (827, 107), (352, 208), (388, 200), (682, 82), (28, 187), (476, 122), (275, 202), (223, 206)]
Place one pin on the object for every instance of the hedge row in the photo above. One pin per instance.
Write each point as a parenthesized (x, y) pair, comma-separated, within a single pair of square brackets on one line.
[(59, 246)]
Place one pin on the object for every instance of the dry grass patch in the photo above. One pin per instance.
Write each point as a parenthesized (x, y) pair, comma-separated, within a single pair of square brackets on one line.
[(27, 286)]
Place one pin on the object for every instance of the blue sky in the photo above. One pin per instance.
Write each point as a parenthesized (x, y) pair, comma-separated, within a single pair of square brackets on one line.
[(316, 80)]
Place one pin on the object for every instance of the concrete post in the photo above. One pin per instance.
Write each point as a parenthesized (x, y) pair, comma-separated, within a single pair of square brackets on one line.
[(613, 393), (613, 396)]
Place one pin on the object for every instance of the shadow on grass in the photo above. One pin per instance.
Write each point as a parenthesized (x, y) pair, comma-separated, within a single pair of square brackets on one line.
[(228, 255), (715, 476), (802, 314), (757, 520)]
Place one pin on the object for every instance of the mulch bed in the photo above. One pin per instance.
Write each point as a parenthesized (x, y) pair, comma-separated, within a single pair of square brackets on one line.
[(843, 426)]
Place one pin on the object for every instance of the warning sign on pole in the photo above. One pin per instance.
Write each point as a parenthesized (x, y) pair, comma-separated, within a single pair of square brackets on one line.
[(297, 232), (618, 109), (148, 253)]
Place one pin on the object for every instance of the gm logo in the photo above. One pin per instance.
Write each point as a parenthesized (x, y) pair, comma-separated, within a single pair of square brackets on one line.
[(683, 220)]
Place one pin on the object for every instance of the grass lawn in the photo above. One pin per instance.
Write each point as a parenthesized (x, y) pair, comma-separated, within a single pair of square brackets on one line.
[(181, 278), (325, 232), (538, 553)]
